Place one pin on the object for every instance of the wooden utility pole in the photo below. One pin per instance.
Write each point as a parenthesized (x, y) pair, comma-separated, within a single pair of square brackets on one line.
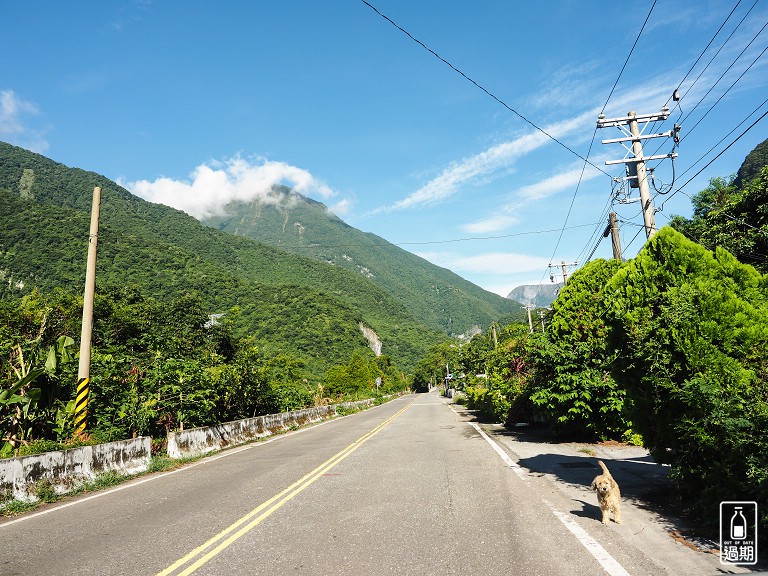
[(642, 177), (613, 230), (84, 368), (564, 268)]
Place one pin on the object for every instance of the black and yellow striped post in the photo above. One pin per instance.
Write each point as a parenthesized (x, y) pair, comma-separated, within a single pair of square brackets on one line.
[(81, 405), (84, 368)]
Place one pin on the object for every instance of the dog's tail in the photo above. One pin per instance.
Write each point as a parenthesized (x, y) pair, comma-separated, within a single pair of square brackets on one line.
[(605, 468)]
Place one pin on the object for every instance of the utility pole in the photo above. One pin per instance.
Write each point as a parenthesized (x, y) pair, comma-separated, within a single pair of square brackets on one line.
[(84, 368), (613, 230), (634, 159), (530, 322), (541, 315), (564, 268)]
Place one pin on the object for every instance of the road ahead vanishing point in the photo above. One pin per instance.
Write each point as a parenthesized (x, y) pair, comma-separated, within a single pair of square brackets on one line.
[(409, 487)]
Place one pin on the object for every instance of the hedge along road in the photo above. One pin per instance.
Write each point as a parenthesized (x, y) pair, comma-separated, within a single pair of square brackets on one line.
[(404, 488)]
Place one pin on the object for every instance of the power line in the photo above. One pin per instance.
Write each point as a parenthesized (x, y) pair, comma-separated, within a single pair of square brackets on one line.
[(428, 242), (701, 73), (718, 50), (477, 85), (724, 137), (707, 48), (715, 158), (688, 132), (594, 133)]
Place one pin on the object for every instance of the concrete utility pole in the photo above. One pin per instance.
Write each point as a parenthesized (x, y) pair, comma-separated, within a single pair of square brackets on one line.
[(530, 322), (564, 268), (84, 368), (634, 158), (613, 230)]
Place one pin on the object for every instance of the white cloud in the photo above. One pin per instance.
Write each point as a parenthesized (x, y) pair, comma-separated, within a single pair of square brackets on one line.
[(554, 184), (494, 223), (487, 164), (212, 186), (342, 208), (506, 215), (493, 263), (13, 127)]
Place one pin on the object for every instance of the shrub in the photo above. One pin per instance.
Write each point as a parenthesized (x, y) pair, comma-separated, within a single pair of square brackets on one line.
[(691, 328)]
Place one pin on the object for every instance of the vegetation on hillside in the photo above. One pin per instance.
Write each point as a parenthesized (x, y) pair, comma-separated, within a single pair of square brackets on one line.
[(155, 367), (437, 296), (289, 303)]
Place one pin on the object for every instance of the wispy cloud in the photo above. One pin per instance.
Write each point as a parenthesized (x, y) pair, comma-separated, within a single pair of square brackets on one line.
[(212, 186), (493, 223), (486, 165), (506, 215), (14, 128), (493, 263)]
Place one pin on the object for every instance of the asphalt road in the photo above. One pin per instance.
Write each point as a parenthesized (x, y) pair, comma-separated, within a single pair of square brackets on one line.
[(409, 487)]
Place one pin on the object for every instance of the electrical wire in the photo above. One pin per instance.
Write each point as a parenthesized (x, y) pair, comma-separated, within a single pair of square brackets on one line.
[(718, 52), (477, 85), (680, 84), (594, 133), (724, 137), (725, 42), (688, 132), (428, 242), (716, 157)]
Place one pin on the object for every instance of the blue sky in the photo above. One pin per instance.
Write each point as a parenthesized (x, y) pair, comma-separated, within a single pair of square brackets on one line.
[(194, 103)]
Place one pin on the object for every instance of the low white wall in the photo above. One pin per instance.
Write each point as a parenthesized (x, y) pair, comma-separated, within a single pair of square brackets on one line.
[(198, 441), (66, 469)]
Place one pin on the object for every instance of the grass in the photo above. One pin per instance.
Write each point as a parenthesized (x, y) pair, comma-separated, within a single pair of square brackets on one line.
[(46, 494)]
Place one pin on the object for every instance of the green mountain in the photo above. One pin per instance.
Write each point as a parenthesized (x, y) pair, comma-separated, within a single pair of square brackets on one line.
[(438, 297), (289, 302)]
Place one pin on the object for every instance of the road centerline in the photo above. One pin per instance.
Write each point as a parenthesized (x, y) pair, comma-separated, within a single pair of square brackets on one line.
[(223, 539)]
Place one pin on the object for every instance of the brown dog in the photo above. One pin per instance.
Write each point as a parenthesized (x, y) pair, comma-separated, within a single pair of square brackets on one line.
[(608, 495)]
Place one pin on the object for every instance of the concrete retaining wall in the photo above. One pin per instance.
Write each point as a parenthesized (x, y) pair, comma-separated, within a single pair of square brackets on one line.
[(67, 469), (198, 441)]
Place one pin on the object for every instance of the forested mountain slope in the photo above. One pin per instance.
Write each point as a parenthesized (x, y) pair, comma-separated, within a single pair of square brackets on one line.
[(292, 303), (435, 295)]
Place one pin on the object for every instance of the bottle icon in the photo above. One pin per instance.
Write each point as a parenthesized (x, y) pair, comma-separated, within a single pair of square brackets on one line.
[(738, 525)]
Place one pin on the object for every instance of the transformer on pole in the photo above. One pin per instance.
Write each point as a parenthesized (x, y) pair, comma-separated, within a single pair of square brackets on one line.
[(634, 159)]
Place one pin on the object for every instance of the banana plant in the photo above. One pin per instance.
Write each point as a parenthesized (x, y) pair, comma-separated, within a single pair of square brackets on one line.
[(21, 409)]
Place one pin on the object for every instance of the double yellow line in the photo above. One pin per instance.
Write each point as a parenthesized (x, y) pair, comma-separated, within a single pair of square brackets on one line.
[(229, 535)]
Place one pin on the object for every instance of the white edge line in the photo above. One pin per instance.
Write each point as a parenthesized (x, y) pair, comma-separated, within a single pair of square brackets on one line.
[(516, 468), (608, 562), (131, 484)]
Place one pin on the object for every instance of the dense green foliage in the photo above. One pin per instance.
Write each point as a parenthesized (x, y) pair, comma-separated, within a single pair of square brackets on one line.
[(732, 216), (155, 367), (290, 303), (437, 296), (752, 165), (667, 349), (691, 328), (572, 383)]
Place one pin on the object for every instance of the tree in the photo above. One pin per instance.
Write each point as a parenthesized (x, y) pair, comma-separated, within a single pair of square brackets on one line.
[(572, 382), (690, 327), (732, 217)]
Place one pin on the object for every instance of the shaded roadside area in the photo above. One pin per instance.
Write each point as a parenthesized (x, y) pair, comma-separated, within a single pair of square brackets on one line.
[(655, 523)]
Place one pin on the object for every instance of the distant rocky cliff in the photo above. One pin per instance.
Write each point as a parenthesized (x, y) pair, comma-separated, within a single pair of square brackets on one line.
[(536, 295)]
